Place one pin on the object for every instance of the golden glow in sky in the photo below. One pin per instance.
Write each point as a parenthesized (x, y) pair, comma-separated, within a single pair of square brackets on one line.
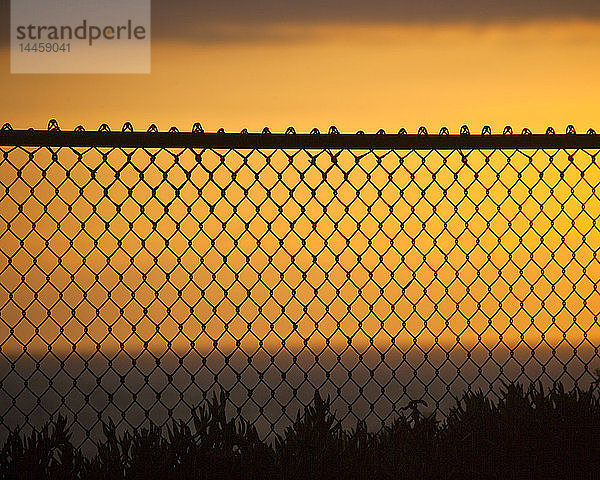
[(359, 76), (356, 76), (178, 252)]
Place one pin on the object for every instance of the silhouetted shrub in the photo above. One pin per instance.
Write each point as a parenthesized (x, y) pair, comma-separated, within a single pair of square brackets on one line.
[(529, 433)]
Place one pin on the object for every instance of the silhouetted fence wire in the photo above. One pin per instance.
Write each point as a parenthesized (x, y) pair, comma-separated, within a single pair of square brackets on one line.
[(140, 271)]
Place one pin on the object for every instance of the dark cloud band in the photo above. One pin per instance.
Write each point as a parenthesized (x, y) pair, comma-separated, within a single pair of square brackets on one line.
[(202, 19), (170, 14), (237, 20)]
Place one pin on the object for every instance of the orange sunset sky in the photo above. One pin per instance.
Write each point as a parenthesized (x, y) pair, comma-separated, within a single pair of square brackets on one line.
[(356, 65)]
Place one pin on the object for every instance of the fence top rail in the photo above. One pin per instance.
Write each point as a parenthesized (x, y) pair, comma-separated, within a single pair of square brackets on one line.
[(197, 138)]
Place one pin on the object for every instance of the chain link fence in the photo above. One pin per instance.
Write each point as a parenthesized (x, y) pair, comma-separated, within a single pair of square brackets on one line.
[(142, 271)]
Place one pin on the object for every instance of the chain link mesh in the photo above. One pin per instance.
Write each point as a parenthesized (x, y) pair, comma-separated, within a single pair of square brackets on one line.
[(136, 282)]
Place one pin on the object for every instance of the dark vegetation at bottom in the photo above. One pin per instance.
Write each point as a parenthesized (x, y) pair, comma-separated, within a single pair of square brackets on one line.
[(529, 433)]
